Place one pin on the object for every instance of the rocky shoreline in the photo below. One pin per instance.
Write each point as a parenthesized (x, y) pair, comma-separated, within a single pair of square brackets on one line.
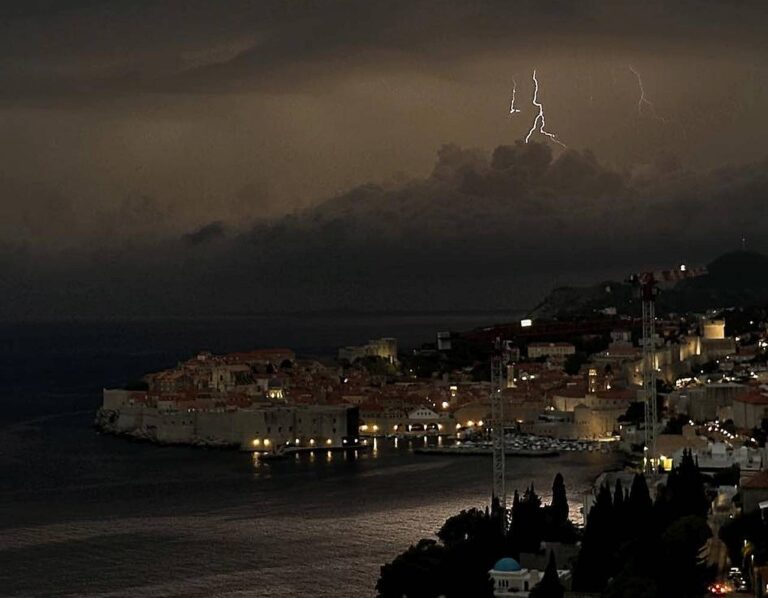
[(106, 423)]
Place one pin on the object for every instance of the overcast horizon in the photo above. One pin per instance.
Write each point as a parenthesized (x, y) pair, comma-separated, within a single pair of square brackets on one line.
[(194, 158)]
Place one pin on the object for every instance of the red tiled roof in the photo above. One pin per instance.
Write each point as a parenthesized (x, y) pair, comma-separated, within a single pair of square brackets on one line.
[(539, 345), (753, 398), (759, 480), (619, 351), (619, 394), (576, 392), (261, 355), (335, 400)]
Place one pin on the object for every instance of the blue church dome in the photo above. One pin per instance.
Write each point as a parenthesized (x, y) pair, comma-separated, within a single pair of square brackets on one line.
[(507, 564)]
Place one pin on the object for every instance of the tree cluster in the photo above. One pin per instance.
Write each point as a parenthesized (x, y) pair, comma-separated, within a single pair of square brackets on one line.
[(676, 424), (574, 362), (471, 542), (761, 434), (635, 548), (631, 546)]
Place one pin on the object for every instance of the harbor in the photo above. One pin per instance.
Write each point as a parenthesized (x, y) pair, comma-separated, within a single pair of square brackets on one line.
[(483, 451), (518, 445)]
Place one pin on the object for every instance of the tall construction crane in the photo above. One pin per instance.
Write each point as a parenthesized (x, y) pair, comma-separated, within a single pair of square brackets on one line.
[(648, 290), (500, 359), (648, 283), (499, 494)]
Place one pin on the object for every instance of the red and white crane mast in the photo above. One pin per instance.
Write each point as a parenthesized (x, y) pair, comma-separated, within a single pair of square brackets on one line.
[(648, 284)]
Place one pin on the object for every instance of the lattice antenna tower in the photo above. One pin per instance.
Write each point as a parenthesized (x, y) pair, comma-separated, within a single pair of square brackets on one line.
[(499, 494), (648, 282), (648, 292)]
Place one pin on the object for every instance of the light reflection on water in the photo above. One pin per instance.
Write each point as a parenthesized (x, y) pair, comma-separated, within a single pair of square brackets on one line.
[(357, 464), (196, 524)]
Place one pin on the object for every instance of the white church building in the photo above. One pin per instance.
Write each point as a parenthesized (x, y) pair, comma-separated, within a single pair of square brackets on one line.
[(510, 580)]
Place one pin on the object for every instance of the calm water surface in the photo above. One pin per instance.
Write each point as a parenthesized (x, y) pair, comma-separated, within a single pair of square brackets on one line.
[(82, 514)]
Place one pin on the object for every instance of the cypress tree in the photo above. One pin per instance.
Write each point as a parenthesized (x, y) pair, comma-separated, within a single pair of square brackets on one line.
[(639, 504), (596, 559), (531, 497), (684, 493), (515, 528), (549, 586), (618, 495), (639, 509), (620, 523), (528, 526), (559, 506)]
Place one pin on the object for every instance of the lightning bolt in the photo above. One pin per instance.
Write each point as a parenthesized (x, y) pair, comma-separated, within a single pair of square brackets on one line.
[(643, 100), (539, 120), (512, 108)]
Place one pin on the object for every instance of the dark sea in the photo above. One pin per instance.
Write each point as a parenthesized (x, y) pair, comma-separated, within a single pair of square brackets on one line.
[(88, 515)]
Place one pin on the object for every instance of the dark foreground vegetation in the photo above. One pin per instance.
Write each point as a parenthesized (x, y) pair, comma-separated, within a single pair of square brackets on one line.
[(631, 546)]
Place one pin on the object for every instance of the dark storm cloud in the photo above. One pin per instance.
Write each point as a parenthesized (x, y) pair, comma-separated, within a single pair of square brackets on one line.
[(522, 210), (191, 102), (93, 48), (482, 231), (137, 133), (204, 234), (498, 231)]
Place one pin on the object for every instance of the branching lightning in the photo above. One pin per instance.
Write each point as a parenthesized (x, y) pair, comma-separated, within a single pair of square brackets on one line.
[(512, 108), (643, 100), (539, 123)]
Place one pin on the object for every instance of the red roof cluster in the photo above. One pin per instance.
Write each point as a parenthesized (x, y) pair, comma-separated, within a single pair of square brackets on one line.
[(759, 480), (753, 398), (617, 394)]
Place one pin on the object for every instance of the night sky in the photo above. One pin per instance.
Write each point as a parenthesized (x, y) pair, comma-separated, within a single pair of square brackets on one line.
[(226, 157)]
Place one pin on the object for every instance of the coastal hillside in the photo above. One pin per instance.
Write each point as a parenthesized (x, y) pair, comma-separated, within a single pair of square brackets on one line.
[(737, 278)]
